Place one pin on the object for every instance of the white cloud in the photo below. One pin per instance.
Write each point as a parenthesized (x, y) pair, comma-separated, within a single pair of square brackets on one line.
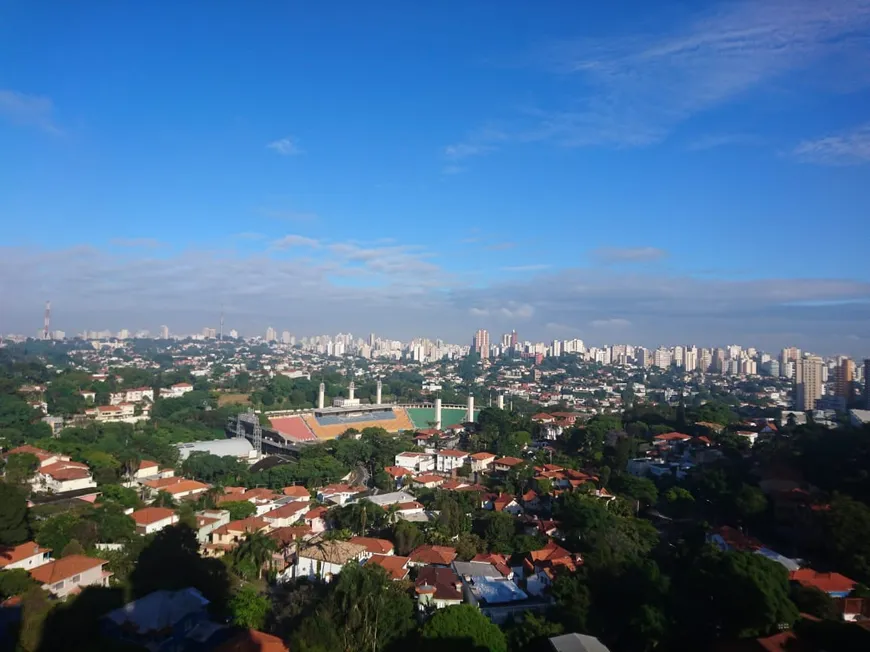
[(294, 240), (285, 147), (28, 110), (847, 148), (633, 91), (526, 268), (629, 254), (145, 243), (610, 323)]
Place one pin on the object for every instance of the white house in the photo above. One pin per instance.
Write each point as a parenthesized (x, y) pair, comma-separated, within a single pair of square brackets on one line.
[(413, 461), (71, 573), (61, 477), (448, 459), (338, 494), (25, 556), (316, 519), (135, 395), (481, 462), (325, 559), (176, 391), (153, 519), (209, 520), (287, 514)]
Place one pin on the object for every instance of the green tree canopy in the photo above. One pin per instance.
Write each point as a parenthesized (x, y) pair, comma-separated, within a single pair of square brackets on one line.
[(13, 516), (462, 627)]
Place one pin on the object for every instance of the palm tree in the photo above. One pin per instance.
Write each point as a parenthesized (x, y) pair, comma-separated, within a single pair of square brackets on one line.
[(257, 549)]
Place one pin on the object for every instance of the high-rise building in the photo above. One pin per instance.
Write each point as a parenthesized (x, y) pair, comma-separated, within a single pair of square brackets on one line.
[(271, 334), (285, 337), (123, 334), (515, 340), (164, 332), (705, 361), (662, 358), (845, 378), (807, 382), (234, 333), (679, 356), (556, 348), (505, 340), (791, 354), (481, 343)]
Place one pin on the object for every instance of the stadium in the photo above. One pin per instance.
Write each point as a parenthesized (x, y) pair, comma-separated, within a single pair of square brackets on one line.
[(289, 430)]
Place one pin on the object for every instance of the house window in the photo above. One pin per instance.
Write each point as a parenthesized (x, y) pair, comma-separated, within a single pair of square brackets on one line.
[(58, 586), (76, 579)]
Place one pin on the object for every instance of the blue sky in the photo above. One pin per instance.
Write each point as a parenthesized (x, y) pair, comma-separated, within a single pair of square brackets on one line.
[(657, 173)]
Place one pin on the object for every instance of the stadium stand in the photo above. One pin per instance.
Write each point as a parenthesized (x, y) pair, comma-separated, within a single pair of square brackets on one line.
[(292, 428), (399, 421), (425, 417)]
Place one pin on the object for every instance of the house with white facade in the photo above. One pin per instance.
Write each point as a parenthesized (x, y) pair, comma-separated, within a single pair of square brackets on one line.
[(416, 462), (135, 395), (338, 494), (24, 556), (325, 559), (287, 514), (71, 574), (481, 462), (176, 391), (153, 519), (447, 460)]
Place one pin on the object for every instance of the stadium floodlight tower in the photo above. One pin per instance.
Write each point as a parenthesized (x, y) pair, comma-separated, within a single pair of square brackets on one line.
[(321, 396), (500, 402), (351, 389), (378, 394), (469, 416), (437, 414)]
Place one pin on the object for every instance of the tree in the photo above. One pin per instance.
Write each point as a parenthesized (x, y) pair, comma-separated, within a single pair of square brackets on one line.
[(124, 496), (572, 597), (72, 548), (406, 536), (15, 582), (532, 633), (164, 499), (468, 545), (498, 530), (249, 608), (239, 509), (35, 607), (13, 516), (461, 627), (641, 489), (749, 502), (254, 552), (810, 600), (20, 468), (735, 594), (679, 501), (374, 610), (113, 525)]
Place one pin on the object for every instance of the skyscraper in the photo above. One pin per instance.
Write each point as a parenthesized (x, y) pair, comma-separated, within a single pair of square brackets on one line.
[(807, 382), (481, 343), (845, 377), (514, 339), (285, 337), (271, 334), (164, 332)]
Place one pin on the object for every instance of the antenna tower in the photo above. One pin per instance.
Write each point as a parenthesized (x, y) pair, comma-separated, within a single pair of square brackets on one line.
[(47, 321), (258, 437)]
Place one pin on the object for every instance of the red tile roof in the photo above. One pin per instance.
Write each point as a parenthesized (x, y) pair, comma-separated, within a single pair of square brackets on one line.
[(252, 640), (395, 565), (396, 471), (150, 515), (297, 491), (433, 554), (450, 452), (290, 510), (508, 461), (373, 545), (428, 478), (672, 436), (14, 554), (441, 581), (65, 568), (826, 582), (63, 471), (482, 456)]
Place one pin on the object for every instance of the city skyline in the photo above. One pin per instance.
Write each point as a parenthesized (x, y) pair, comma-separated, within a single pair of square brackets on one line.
[(567, 170)]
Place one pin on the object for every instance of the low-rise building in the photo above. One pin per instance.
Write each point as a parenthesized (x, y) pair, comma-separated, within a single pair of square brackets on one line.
[(25, 556), (416, 462), (70, 574), (482, 462), (448, 460), (325, 559), (437, 587), (153, 519), (396, 566)]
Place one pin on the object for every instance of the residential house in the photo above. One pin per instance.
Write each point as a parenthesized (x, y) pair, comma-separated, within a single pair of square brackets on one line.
[(670, 440), (727, 538), (397, 473), (325, 559), (209, 520), (176, 391), (160, 621), (70, 574), (316, 519), (834, 584), (505, 464), (297, 492), (263, 499), (482, 462), (437, 587), (427, 555), (397, 567), (428, 480), (286, 515), (227, 537), (501, 503), (373, 546), (531, 500), (338, 494), (448, 460), (497, 597), (153, 519), (177, 487), (540, 566), (497, 561), (24, 556), (411, 511), (391, 498), (416, 462), (62, 477), (135, 395)]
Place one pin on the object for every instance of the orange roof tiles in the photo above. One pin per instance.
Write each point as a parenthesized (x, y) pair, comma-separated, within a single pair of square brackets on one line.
[(150, 515), (433, 554), (826, 582), (297, 491), (508, 461), (65, 568), (14, 554), (395, 565), (373, 545)]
